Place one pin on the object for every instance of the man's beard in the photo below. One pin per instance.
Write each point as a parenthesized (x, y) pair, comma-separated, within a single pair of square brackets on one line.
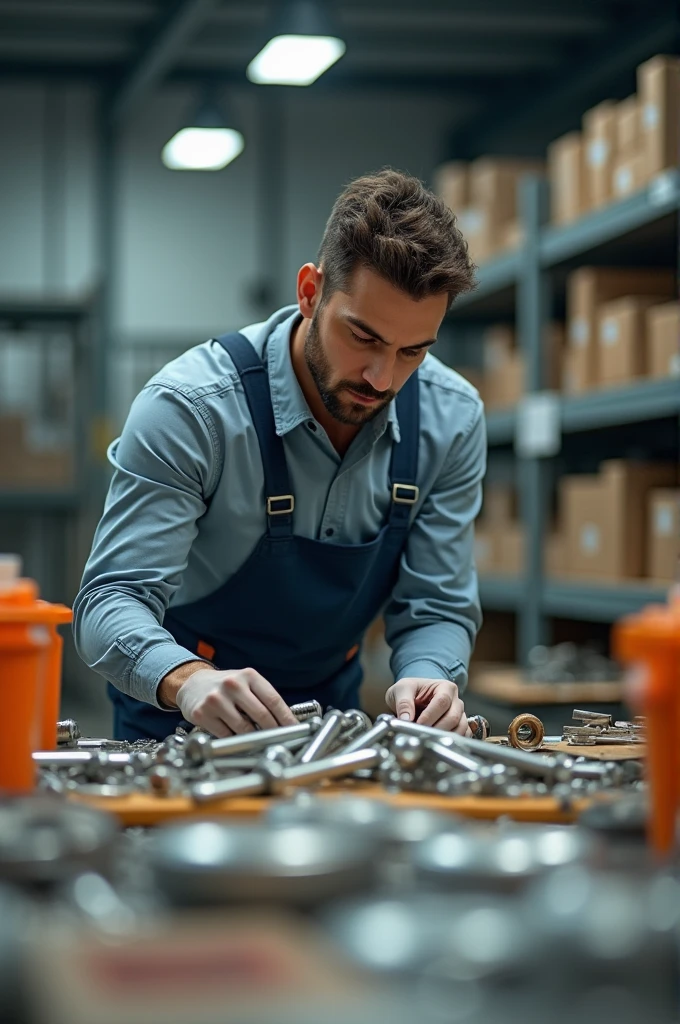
[(351, 413)]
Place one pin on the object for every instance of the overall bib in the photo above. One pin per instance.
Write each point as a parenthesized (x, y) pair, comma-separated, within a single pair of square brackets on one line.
[(297, 609)]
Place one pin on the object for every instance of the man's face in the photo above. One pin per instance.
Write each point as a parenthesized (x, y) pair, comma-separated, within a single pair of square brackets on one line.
[(362, 346)]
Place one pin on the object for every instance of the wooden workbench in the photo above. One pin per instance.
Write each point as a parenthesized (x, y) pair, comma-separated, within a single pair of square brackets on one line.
[(147, 809), (500, 692)]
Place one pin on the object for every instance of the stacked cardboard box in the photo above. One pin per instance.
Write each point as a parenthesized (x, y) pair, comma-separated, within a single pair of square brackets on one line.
[(555, 559), (629, 171), (663, 535), (501, 381), (504, 367), (621, 145), (483, 195), (662, 330), (25, 468), (499, 536), (605, 518), (588, 290)]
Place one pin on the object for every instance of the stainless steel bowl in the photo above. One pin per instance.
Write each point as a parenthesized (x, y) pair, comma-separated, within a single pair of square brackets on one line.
[(44, 840), (210, 863)]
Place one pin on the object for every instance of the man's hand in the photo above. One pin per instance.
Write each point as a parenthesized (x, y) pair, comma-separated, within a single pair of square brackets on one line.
[(227, 702), (434, 702)]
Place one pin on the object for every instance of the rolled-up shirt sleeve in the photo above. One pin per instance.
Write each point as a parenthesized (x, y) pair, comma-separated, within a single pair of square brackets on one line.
[(434, 614), (166, 464)]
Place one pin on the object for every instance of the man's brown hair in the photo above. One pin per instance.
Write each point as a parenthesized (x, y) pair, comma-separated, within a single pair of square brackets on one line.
[(390, 223)]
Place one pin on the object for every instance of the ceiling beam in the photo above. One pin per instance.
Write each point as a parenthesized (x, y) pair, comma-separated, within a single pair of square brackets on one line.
[(554, 104), (159, 54)]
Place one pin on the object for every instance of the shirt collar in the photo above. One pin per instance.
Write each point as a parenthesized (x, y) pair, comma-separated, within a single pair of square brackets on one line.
[(288, 401)]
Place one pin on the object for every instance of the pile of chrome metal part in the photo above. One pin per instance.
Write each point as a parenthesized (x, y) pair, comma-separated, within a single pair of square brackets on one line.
[(400, 755)]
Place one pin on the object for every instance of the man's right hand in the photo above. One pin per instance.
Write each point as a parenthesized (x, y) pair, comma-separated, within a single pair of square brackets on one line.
[(225, 702)]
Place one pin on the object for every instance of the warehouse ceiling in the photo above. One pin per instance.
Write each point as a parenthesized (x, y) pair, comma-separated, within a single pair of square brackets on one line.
[(492, 51)]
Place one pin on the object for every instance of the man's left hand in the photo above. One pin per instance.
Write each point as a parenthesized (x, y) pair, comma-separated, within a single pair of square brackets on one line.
[(429, 702)]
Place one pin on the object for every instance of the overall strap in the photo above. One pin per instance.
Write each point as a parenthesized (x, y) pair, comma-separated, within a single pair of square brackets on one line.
[(253, 374), (404, 462)]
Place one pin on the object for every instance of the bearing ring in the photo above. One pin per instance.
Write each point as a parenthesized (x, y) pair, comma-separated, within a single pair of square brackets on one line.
[(536, 734)]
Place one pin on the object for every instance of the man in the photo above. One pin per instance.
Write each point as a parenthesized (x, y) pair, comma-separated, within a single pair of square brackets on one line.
[(273, 490)]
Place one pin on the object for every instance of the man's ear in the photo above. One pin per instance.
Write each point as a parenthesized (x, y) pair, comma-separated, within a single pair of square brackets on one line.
[(309, 285)]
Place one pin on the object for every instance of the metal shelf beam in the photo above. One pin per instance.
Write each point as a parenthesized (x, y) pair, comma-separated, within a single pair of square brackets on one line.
[(501, 593), (497, 275), (39, 501), (598, 603), (573, 599), (649, 400), (659, 199)]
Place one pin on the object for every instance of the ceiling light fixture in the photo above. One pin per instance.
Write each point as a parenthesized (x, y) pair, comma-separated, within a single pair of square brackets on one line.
[(302, 47), (206, 144)]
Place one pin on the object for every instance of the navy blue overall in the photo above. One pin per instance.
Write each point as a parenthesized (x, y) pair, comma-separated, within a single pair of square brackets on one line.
[(297, 609)]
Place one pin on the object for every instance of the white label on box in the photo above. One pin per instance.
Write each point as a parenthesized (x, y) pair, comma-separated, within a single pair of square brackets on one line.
[(537, 430), (598, 151), (578, 331), (623, 180), (674, 365), (590, 538), (609, 331), (650, 116), (663, 521), (471, 220)]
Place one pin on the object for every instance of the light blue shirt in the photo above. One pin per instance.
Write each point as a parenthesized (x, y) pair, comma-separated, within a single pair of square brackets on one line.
[(186, 508)]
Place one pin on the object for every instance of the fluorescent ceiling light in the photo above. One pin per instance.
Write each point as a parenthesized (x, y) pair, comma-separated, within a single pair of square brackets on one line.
[(202, 149), (294, 59)]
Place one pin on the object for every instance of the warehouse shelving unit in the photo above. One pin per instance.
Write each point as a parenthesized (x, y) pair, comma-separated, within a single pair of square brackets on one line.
[(50, 519), (528, 284)]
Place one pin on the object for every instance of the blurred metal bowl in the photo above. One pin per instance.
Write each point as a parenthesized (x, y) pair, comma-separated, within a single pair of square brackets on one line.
[(210, 863), (45, 840)]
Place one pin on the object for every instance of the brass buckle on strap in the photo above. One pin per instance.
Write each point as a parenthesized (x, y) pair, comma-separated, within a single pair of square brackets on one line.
[(405, 494), (277, 498)]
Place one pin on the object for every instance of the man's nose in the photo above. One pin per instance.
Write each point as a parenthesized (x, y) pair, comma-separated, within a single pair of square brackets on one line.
[(380, 374)]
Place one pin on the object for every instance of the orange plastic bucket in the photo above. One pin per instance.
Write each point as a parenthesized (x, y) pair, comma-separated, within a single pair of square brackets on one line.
[(30, 675)]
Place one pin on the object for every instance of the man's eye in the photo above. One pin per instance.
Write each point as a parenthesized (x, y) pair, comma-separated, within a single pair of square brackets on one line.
[(364, 341), (412, 353)]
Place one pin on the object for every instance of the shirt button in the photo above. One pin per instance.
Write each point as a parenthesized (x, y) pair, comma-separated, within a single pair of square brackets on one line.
[(330, 531), (311, 425)]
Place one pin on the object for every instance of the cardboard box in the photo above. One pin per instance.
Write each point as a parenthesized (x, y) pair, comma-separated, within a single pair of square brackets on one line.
[(451, 183), (21, 467), (577, 376), (485, 548), (588, 288), (555, 561), (622, 356), (605, 517), (510, 236), (628, 127), (599, 135), (663, 535), (494, 181), (511, 549), (659, 91), (498, 345), (629, 175), (663, 340), (504, 386), (479, 232), (500, 504), (566, 170)]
